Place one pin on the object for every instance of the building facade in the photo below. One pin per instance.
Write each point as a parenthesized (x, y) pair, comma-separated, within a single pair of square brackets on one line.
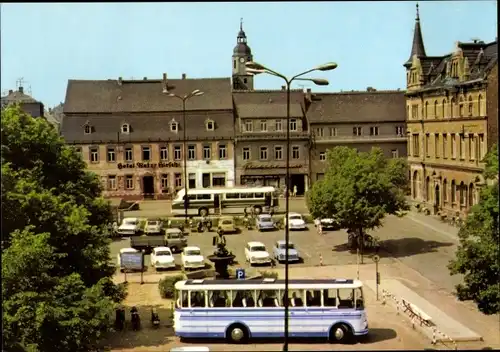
[(260, 137), (451, 122), (360, 120), (131, 133), (28, 104)]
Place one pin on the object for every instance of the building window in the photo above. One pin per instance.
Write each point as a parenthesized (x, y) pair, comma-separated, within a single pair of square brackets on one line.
[(443, 109), (174, 126), (453, 146), (453, 191), (164, 153), (263, 125), (322, 156), (164, 181), (129, 182), (125, 128), (471, 147), (436, 109), (445, 191), (436, 146), (293, 125), (400, 130), (395, 153), (87, 129), (222, 151), (191, 180), (462, 189), (278, 125), (374, 131), (452, 103), (319, 131), (462, 146), (248, 126), (129, 154), (94, 154), (416, 144), (445, 146), (333, 131), (78, 150), (177, 152), (246, 153), (470, 106), (263, 153), (207, 152), (146, 153), (295, 152), (111, 155), (112, 182), (426, 110), (218, 179), (461, 108), (480, 147), (210, 125), (356, 131), (278, 153), (178, 180), (427, 144), (414, 112), (479, 107), (191, 152)]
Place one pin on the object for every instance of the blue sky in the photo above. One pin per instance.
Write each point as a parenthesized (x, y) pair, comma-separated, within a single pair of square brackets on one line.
[(47, 44)]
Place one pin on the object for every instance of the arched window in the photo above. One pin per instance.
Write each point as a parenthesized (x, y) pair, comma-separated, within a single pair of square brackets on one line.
[(479, 106), (471, 195), (87, 129), (452, 103), (408, 112), (428, 189), (461, 107), (125, 128), (443, 107), (445, 191), (415, 183), (453, 191), (426, 110), (436, 109), (463, 193), (470, 106)]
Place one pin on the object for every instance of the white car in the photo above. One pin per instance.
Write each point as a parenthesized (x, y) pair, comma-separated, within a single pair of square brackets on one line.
[(153, 227), (124, 250), (162, 258), (295, 221), (129, 227), (256, 253), (192, 258)]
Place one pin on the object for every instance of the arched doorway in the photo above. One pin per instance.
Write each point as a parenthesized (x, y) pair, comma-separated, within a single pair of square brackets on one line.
[(437, 199), (428, 189), (415, 183)]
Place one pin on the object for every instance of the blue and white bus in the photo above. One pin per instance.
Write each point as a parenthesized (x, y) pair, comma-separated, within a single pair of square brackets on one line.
[(238, 310)]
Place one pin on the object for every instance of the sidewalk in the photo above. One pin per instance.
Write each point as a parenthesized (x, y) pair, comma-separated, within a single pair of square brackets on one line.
[(435, 224)]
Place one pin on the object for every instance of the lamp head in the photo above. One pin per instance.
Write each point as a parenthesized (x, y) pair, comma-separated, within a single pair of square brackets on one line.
[(320, 81), (327, 67), (254, 65), (254, 72)]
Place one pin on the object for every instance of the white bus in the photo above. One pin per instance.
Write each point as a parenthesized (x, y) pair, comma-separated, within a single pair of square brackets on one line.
[(238, 310), (234, 200)]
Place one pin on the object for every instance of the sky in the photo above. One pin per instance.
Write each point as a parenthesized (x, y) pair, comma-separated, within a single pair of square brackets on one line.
[(47, 44)]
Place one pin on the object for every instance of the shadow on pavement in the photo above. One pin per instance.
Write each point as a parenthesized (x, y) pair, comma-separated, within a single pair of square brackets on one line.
[(379, 335), (406, 247)]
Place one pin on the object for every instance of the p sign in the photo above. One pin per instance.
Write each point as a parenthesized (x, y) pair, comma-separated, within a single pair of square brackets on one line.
[(240, 274)]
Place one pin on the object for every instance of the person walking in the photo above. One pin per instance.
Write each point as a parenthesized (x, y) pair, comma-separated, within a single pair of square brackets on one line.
[(295, 191)]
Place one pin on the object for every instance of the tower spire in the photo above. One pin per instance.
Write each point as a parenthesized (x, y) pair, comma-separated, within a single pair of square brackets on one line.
[(417, 47), (241, 24)]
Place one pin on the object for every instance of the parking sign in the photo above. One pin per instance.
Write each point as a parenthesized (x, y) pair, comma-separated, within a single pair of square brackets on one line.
[(240, 274)]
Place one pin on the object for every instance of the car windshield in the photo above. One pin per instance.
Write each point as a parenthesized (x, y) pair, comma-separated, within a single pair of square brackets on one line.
[(227, 222), (153, 223), (295, 217), (290, 246), (163, 253), (193, 252), (129, 222), (265, 218), (258, 249)]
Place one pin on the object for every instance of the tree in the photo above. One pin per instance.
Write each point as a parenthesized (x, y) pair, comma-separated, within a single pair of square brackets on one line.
[(478, 252), (56, 270), (359, 189)]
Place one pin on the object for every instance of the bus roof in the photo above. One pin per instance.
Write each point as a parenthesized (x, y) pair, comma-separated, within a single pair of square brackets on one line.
[(226, 190), (267, 283)]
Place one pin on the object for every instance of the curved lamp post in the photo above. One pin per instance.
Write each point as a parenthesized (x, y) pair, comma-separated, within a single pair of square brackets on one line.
[(256, 68), (194, 93)]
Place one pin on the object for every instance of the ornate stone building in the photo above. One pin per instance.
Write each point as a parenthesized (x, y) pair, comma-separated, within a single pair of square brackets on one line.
[(452, 121)]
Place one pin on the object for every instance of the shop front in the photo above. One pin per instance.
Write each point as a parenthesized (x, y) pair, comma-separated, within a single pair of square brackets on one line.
[(210, 173), (276, 177)]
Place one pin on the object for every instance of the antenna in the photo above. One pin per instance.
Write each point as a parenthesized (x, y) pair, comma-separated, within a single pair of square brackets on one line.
[(19, 82), (29, 90)]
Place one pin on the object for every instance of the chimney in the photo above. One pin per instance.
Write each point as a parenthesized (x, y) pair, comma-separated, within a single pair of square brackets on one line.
[(183, 76), (145, 78), (11, 91), (120, 81), (308, 95), (165, 83), (21, 89), (283, 87)]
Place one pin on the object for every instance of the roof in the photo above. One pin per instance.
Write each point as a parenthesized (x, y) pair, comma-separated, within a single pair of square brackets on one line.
[(417, 47), (351, 107), (283, 241), (161, 249), (268, 110), (17, 97), (255, 243), (268, 103), (253, 284), (109, 96), (192, 248)]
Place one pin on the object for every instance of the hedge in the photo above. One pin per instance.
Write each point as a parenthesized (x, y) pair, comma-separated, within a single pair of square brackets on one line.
[(167, 285)]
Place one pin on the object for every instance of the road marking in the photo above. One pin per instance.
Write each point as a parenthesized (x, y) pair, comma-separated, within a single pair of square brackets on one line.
[(447, 234)]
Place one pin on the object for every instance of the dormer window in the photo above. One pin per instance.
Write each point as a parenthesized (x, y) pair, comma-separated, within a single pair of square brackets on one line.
[(174, 126), (125, 128), (87, 129), (210, 125)]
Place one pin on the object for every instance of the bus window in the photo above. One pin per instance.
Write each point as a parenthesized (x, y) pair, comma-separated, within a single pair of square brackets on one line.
[(182, 301), (268, 298), (190, 197), (243, 299), (203, 197), (345, 298), (359, 299), (219, 299), (330, 298), (313, 298), (232, 196), (259, 195), (198, 299), (296, 298), (246, 196)]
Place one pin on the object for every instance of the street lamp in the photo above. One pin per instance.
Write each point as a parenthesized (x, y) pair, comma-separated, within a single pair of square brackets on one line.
[(194, 93), (256, 68)]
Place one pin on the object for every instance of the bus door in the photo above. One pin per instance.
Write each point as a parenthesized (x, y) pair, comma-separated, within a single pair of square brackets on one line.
[(198, 302), (217, 204), (268, 200)]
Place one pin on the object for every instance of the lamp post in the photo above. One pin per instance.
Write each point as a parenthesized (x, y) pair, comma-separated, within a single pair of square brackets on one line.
[(256, 68), (184, 98)]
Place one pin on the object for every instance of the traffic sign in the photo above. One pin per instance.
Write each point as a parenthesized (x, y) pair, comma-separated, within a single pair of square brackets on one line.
[(240, 274), (376, 258)]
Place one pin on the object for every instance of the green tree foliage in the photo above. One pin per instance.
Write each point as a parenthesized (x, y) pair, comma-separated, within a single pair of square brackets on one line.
[(56, 272), (359, 189), (478, 252)]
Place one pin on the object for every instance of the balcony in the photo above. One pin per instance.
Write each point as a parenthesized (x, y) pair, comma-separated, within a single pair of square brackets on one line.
[(271, 135), (361, 139)]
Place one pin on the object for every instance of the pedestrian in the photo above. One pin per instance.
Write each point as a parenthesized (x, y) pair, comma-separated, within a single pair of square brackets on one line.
[(295, 191), (320, 229)]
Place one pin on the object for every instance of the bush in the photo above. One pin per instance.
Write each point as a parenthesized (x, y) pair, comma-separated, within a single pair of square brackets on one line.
[(167, 285), (267, 274)]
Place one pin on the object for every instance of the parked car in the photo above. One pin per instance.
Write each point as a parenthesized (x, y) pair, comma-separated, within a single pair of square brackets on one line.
[(295, 221), (129, 227), (175, 239), (119, 258), (279, 252), (256, 253), (192, 258), (226, 225), (153, 227), (162, 258), (265, 222), (329, 224)]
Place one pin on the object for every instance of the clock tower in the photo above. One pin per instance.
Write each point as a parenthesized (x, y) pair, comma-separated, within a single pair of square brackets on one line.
[(241, 55)]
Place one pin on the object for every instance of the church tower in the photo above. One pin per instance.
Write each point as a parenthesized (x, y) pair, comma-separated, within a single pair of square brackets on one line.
[(414, 73), (241, 55)]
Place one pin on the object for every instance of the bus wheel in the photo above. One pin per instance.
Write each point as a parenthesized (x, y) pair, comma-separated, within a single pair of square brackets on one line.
[(237, 333), (258, 210), (203, 212), (340, 333)]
